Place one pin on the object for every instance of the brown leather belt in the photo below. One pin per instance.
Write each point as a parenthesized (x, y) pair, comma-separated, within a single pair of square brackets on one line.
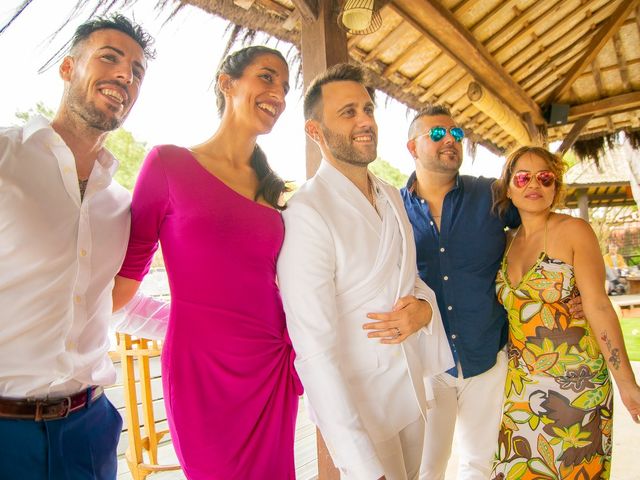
[(52, 409)]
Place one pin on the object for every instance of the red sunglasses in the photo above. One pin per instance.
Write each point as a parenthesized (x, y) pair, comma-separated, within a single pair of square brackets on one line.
[(522, 178)]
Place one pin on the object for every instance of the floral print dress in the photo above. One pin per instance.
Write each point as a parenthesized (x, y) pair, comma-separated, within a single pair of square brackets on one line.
[(558, 408)]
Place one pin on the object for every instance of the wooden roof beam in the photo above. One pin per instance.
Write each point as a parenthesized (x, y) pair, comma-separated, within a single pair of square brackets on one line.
[(609, 106), (308, 9), (598, 41), (573, 135), (438, 24)]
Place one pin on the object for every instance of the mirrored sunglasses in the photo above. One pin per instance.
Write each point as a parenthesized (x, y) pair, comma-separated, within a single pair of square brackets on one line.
[(438, 133), (521, 179)]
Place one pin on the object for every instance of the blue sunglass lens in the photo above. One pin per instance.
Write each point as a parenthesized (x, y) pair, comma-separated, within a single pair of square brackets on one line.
[(457, 133), (437, 133)]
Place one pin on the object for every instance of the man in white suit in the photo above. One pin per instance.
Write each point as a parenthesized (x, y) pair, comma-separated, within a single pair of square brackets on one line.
[(348, 253)]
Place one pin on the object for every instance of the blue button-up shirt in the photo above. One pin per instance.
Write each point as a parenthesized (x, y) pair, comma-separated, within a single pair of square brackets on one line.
[(460, 263)]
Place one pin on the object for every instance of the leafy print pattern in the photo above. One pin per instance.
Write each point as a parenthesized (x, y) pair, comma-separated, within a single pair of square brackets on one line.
[(558, 409)]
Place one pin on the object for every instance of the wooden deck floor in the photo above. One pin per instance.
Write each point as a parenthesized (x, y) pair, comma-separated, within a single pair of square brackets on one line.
[(305, 454), (624, 466)]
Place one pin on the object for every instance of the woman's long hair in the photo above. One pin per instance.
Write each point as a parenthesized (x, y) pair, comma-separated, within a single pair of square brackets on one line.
[(270, 185)]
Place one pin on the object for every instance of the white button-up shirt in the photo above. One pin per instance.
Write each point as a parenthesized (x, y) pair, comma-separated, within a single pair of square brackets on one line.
[(58, 258)]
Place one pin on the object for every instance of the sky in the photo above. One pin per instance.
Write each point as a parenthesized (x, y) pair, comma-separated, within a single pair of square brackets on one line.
[(176, 103)]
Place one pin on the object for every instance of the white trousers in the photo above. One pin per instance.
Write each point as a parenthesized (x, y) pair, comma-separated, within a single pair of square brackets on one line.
[(472, 407), (400, 455)]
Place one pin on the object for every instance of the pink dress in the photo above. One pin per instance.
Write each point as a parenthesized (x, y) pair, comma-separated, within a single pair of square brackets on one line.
[(230, 388)]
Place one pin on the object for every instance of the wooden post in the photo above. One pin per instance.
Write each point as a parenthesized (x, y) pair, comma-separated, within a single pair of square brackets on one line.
[(583, 205), (323, 45)]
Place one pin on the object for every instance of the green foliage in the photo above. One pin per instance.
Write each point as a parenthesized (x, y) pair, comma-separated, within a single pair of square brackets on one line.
[(387, 172), (633, 258), (631, 332), (129, 153), (121, 143), (40, 109), (570, 159)]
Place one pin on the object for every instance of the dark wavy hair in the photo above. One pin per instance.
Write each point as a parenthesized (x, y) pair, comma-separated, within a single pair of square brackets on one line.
[(270, 186), (501, 202), (115, 22)]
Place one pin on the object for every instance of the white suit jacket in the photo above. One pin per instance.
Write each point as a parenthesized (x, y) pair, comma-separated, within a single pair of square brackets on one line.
[(329, 282)]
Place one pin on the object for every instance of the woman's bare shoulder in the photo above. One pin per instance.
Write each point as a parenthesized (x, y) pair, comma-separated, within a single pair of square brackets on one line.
[(572, 228)]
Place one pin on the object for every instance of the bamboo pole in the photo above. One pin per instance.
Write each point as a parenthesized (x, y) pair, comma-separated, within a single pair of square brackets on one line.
[(491, 106)]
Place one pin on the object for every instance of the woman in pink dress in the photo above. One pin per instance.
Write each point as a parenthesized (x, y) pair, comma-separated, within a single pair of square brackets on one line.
[(230, 389)]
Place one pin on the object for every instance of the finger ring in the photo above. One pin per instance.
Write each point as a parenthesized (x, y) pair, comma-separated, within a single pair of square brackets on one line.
[(397, 332)]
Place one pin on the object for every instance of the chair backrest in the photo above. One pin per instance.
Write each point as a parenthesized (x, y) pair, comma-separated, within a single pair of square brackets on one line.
[(134, 356)]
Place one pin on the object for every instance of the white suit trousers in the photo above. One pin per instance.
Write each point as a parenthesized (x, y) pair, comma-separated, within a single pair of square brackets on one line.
[(472, 407), (400, 455)]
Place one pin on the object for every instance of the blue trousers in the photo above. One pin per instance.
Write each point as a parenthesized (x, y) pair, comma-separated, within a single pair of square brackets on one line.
[(80, 447)]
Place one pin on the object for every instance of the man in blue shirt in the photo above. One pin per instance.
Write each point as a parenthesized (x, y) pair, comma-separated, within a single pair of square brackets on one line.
[(459, 244)]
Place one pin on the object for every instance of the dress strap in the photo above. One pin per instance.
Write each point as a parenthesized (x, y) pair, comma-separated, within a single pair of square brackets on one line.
[(511, 242), (546, 229)]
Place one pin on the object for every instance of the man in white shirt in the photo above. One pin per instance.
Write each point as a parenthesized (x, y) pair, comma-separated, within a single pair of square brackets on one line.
[(64, 226), (349, 253)]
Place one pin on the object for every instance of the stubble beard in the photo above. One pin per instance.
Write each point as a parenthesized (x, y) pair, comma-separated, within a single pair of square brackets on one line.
[(342, 149), (90, 114), (444, 163)]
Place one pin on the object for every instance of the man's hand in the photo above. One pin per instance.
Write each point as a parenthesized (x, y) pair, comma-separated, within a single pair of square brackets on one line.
[(575, 307), (407, 317)]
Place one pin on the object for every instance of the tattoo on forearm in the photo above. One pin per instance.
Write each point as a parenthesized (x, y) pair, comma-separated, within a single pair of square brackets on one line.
[(614, 359)]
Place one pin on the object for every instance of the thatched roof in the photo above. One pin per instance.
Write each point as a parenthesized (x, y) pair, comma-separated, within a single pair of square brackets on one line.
[(529, 53), (606, 183), (526, 54)]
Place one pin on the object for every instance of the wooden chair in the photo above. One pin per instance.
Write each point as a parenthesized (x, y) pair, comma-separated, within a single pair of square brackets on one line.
[(141, 350)]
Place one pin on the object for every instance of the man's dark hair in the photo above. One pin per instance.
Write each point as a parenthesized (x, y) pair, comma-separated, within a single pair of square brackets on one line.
[(115, 22), (430, 110), (336, 73)]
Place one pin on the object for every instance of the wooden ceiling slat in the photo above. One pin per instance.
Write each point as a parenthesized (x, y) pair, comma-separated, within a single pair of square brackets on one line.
[(443, 83), (537, 84), (429, 69), (554, 39), (597, 79), (454, 74), (521, 24), (561, 63), (599, 40), (275, 7), (490, 17), (387, 41), (550, 73), (448, 34), (622, 62), (464, 7), (307, 8), (406, 55)]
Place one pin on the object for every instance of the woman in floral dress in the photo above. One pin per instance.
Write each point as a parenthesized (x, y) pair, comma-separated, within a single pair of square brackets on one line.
[(558, 409)]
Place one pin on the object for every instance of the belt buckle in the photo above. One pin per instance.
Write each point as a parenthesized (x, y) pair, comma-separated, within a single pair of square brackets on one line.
[(65, 403)]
